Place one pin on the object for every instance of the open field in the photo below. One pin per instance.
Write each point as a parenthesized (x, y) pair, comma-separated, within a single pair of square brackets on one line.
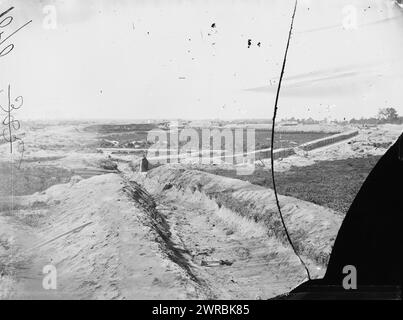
[(135, 135), (262, 138)]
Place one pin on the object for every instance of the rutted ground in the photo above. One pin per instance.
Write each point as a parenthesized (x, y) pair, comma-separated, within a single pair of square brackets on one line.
[(234, 259), (237, 249)]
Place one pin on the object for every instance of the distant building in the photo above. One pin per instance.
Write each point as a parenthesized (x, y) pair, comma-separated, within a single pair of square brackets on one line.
[(289, 123)]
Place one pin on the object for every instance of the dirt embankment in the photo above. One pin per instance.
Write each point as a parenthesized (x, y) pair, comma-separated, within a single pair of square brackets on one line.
[(313, 228), (103, 239), (191, 235), (369, 142)]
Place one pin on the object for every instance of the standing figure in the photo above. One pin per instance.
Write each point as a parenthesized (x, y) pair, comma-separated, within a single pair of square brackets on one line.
[(144, 164)]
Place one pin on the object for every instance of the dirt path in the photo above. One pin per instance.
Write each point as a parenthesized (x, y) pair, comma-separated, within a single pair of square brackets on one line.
[(231, 258), (232, 264)]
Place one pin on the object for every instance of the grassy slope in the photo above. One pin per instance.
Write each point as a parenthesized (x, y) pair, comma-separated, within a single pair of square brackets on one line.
[(29, 179), (333, 184)]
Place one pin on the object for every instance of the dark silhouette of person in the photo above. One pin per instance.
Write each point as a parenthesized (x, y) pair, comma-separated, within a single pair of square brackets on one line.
[(144, 164)]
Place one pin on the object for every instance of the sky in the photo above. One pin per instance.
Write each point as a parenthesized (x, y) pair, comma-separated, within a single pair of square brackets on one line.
[(121, 59)]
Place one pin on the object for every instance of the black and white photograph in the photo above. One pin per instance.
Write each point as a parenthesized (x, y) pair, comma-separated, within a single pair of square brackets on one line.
[(201, 156)]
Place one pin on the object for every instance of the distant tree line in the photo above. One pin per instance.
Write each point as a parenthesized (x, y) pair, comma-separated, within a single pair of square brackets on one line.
[(385, 115)]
